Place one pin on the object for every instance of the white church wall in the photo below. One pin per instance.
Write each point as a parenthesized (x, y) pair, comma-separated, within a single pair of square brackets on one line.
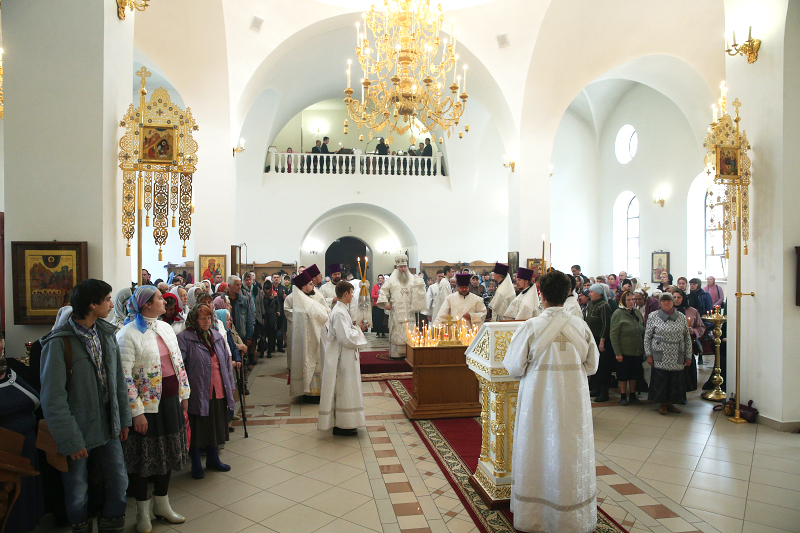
[(666, 162), (573, 196)]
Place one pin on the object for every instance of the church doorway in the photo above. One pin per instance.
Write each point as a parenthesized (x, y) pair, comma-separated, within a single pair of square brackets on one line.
[(346, 250)]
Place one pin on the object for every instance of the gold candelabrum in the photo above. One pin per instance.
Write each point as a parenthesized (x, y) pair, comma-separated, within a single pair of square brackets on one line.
[(716, 318), (749, 48), (140, 5), (157, 156), (364, 299), (405, 75), (727, 158), (451, 332)]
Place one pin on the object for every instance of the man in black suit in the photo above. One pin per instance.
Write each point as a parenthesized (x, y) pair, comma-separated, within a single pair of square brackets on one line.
[(428, 151), (382, 149), (324, 149), (317, 150)]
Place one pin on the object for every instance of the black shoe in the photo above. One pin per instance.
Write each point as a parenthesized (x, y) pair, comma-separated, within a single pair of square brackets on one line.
[(281, 350), (603, 397), (310, 399), (345, 432), (269, 355), (634, 400), (111, 525), (594, 390)]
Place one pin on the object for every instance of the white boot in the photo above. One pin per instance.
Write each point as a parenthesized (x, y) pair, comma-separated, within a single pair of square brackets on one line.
[(162, 509), (143, 524)]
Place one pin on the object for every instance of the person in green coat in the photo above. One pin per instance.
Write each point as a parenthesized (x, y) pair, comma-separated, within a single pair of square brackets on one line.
[(627, 338)]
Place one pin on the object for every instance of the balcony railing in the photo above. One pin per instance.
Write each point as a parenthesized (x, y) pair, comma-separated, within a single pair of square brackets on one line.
[(354, 163)]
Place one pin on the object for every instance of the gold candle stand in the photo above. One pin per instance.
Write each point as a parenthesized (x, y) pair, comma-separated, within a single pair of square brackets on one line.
[(716, 395)]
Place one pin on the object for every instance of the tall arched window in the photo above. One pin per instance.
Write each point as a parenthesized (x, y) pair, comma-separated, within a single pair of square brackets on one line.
[(632, 241), (716, 265)]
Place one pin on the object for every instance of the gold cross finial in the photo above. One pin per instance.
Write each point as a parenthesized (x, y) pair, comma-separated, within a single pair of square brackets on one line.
[(737, 104), (144, 74)]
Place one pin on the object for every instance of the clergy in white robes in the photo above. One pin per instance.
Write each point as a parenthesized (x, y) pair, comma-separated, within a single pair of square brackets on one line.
[(553, 462), (308, 317), (329, 289), (571, 304), (526, 304), (443, 290), (504, 294), (402, 295), (341, 405), (316, 279), (463, 304)]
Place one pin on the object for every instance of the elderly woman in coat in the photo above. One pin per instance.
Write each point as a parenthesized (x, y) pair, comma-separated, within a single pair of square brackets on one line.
[(668, 347), (208, 366)]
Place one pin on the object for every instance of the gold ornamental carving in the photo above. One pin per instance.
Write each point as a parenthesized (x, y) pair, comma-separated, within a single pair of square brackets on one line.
[(158, 156), (497, 492), (139, 5), (482, 349), (501, 341), (484, 423)]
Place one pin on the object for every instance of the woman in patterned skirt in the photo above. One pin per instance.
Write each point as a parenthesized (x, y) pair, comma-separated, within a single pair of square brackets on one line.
[(668, 347), (158, 391)]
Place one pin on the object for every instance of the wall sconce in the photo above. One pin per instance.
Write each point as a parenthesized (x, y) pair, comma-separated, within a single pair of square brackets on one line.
[(313, 252), (386, 252), (749, 48), (507, 163), (657, 199), (238, 149), (551, 171)]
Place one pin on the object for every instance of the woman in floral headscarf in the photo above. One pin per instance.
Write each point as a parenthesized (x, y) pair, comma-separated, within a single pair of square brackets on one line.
[(173, 314), (158, 391), (211, 376)]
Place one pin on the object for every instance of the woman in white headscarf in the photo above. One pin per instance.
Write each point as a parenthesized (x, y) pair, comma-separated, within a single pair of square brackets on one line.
[(183, 299), (120, 307)]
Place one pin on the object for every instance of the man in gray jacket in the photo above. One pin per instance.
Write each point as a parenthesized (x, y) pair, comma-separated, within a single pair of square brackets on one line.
[(87, 409), (243, 314)]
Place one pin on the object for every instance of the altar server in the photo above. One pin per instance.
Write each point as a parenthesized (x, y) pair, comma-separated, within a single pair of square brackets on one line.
[(307, 318), (553, 460), (504, 294), (341, 405), (526, 304), (402, 295), (443, 290), (329, 289), (463, 304)]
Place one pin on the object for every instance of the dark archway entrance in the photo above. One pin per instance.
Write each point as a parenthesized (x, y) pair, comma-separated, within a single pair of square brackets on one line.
[(345, 250)]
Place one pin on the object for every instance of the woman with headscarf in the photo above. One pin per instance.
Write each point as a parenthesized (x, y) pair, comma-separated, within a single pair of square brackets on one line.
[(598, 318), (173, 314), (715, 291), (183, 299), (627, 338), (696, 329), (224, 317), (211, 376), (158, 391), (120, 307), (668, 347)]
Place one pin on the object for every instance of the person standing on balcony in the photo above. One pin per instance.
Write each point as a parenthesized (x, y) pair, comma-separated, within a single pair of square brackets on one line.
[(325, 161), (427, 151), (382, 149), (316, 150)]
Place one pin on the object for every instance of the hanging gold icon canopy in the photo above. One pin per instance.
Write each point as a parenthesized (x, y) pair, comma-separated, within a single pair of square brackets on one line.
[(158, 156)]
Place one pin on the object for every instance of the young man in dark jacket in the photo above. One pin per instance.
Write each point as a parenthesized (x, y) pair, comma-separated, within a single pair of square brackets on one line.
[(88, 414)]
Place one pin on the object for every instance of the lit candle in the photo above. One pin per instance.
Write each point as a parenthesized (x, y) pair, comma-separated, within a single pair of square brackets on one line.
[(348, 78), (714, 111), (455, 65), (465, 78), (543, 252)]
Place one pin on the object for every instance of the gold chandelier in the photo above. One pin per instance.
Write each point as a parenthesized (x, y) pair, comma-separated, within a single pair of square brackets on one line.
[(405, 76)]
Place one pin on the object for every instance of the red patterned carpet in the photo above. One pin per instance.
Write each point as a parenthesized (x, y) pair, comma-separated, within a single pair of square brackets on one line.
[(380, 363), (455, 444)]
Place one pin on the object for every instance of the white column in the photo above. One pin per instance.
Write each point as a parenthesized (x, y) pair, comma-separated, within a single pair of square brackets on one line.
[(68, 79)]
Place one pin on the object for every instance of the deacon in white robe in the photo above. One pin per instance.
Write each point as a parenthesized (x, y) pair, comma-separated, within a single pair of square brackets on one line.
[(526, 304), (463, 304), (571, 304), (403, 295), (308, 317), (329, 289), (430, 295), (553, 461), (316, 279), (504, 294), (443, 290), (341, 405)]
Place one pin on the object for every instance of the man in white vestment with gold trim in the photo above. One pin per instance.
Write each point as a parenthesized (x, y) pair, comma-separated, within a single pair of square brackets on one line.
[(526, 304), (329, 289), (341, 405), (504, 294), (403, 295), (463, 304), (307, 318), (443, 290), (553, 462), (316, 279)]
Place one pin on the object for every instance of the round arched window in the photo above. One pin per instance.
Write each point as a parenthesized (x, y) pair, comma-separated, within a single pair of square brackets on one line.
[(626, 144)]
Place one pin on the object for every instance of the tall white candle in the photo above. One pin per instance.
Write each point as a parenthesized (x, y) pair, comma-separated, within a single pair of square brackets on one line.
[(465, 79)]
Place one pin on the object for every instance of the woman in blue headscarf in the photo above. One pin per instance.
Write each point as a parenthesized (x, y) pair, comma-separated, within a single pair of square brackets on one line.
[(598, 318), (158, 391)]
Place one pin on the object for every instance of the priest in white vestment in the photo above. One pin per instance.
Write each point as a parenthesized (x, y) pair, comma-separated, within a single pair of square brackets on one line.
[(329, 289), (341, 405), (316, 279), (526, 304), (308, 317), (463, 304), (571, 304), (504, 294), (443, 290), (553, 462), (402, 295)]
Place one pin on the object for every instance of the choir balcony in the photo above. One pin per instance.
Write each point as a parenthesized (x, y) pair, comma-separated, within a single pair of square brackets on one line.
[(349, 161)]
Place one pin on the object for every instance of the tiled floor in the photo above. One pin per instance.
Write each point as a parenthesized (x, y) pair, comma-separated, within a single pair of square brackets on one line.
[(678, 473)]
